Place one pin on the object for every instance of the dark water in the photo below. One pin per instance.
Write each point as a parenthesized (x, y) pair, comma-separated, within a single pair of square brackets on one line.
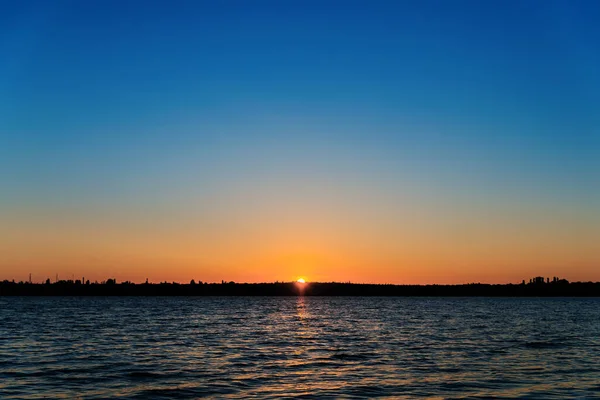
[(299, 347)]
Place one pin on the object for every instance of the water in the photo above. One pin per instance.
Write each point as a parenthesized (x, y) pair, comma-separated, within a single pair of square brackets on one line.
[(140, 348)]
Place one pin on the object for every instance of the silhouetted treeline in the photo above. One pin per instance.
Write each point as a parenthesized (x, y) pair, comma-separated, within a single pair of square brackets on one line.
[(536, 287)]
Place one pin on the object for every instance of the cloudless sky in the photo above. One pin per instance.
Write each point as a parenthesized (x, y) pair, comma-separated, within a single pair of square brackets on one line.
[(371, 141)]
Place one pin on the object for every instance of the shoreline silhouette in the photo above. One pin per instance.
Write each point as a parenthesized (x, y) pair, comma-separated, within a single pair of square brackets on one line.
[(536, 287)]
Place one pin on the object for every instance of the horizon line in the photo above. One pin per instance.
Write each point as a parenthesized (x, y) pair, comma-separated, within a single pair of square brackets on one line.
[(535, 280)]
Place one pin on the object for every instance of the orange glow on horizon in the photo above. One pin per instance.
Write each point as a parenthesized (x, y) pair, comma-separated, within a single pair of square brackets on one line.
[(274, 243)]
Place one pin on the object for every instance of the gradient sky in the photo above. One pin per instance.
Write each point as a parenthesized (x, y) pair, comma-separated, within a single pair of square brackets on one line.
[(401, 142)]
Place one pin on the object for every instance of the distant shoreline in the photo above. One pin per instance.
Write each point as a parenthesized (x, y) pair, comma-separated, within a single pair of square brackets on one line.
[(559, 288)]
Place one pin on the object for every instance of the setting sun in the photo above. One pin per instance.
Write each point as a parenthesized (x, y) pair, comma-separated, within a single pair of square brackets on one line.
[(301, 280)]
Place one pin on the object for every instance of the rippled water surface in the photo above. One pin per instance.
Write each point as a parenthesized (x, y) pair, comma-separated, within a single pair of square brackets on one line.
[(299, 347)]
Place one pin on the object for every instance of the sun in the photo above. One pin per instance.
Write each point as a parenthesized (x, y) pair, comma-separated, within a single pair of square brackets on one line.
[(301, 280)]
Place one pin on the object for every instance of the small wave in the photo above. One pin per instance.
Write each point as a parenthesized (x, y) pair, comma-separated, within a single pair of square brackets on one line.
[(449, 370), (242, 364), (351, 357), (40, 373), (144, 375), (595, 388), (504, 350), (577, 371), (367, 391), (311, 366), (454, 386), (185, 392), (543, 345)]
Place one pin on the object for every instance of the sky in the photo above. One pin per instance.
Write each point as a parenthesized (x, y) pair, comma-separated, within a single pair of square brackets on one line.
[(364, 141)]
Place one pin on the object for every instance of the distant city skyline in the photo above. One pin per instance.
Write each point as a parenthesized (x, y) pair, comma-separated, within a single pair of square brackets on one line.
[(373, 142)]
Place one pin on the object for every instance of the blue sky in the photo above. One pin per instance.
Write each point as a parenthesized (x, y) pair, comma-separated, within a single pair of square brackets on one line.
[(484, 105)]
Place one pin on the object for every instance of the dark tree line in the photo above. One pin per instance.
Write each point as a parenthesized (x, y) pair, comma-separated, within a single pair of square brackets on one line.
[(111, 287)]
